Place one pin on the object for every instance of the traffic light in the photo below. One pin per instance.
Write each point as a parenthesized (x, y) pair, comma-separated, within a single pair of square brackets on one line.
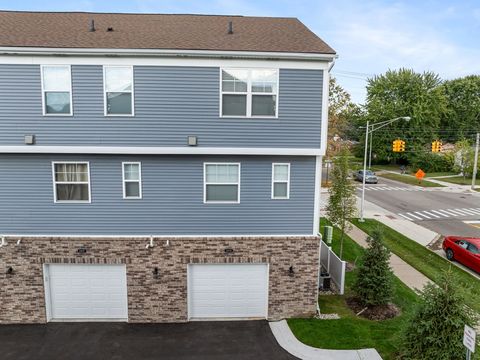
[(398, 145), (436, 146)]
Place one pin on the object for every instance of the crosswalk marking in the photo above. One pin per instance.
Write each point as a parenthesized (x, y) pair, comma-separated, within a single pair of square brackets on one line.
[(439, 213), (389, 188)]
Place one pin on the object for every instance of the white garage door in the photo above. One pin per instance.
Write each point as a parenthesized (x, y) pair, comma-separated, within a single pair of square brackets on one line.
[(228, 290), (86, 292)]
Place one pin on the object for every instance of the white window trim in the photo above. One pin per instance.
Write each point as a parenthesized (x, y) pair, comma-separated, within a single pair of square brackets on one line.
[(44, 109), (60, 182), (205, 183), (139, 181), (105, 91), (281, 182), (249, 94)]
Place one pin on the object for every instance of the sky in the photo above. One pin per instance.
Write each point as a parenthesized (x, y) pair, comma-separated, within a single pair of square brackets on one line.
[(370, 36)]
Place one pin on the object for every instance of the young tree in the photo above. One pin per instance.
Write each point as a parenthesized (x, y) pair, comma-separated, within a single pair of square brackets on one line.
[(342, 201), (374, 283), (436, 329), (464, 154)]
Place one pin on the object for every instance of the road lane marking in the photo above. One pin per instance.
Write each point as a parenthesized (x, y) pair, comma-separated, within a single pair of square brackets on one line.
[(422, 214), (469, 211), (456, 211), (429, 213), (449, 212), (415, 216), (438, 212), (406, 217)]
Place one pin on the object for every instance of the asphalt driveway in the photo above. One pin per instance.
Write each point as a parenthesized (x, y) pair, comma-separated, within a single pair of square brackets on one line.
[(105, 341)]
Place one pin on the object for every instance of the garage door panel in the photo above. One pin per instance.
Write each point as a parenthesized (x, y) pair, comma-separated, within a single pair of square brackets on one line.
[(228, 290), (79, 291)]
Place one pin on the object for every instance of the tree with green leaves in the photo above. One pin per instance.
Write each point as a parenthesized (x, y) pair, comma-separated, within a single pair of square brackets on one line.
[(464, 155), (405, 93), (374, 282), (342, 203), (436, 329), (341, 114), (462, 117)]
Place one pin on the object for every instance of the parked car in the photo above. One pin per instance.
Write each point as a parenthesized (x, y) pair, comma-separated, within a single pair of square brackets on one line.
[(370, 177), (464, 250)]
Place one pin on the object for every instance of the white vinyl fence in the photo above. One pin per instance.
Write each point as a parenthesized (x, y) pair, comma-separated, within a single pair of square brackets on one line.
[(333, 265)]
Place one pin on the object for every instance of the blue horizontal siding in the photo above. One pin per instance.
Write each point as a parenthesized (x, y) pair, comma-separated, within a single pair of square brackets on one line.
[(172, 201), (170, 104)]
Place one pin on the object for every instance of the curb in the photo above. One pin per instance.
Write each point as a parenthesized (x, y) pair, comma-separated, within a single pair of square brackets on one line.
[(291, 344)]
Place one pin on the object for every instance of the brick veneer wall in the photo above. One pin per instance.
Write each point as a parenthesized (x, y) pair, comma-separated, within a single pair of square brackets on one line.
[(162, 299)]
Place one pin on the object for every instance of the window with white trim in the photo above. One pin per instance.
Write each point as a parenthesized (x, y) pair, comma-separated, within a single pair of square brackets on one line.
[(222, 182), (280, 181), (71, 181), (249, 92), (56, 90), (118, 86), (132, 180)]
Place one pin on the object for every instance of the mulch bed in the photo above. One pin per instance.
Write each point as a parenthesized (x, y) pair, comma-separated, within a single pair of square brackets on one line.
[(381, 312)]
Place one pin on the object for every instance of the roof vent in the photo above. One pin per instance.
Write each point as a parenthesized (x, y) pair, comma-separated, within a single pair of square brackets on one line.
[(110, 29), (230, 27), (92, 26)]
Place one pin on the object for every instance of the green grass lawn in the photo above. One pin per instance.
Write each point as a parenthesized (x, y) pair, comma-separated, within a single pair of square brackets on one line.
[(424, 260), (352, 332), (460, 181), (441, 173), (408, 179)]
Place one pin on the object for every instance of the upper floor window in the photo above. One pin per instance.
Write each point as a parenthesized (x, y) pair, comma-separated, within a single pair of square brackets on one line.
[(222, 182), (280, 181), (249, 93), (71, 181), (56, 90), (118, 86), (132, 180)]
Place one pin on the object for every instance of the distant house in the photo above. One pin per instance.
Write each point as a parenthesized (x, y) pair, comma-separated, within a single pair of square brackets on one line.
[(159, 168)]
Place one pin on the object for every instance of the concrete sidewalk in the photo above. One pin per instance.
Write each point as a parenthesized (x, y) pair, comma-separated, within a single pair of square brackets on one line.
[(411, 277), (290, 343)]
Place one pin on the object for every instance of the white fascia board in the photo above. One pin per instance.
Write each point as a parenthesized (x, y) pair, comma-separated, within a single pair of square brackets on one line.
[(136, 236), (167, 52), (169, 150)]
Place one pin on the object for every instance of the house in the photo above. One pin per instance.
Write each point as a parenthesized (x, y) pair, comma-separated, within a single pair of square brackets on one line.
[(159, 168)]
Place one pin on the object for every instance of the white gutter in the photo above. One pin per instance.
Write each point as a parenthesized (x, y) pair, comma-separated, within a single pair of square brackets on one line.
[(165, 53), (167, 150)]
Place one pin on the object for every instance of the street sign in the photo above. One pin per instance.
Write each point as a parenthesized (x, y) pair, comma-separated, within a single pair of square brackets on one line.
[(469, 338), (420, 174)]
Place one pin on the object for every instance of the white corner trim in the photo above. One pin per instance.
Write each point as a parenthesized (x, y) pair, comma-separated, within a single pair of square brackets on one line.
[(325, 98), (318, 186), (167, 150)]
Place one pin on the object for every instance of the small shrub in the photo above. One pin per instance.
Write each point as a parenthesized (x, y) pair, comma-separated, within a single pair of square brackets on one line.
[(374, 283)]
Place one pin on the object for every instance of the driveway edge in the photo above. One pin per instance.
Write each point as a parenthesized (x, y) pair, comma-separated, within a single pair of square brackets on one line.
[(290, 343)]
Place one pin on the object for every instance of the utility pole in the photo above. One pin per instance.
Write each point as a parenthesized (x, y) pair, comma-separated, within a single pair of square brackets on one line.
[(364, 171), (370, 157), (475, 163)]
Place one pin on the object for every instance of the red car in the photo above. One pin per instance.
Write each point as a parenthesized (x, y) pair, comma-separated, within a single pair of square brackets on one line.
[(464, 250)]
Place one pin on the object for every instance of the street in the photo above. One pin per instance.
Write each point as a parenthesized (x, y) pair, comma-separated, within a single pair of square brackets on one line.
[(446, 213)]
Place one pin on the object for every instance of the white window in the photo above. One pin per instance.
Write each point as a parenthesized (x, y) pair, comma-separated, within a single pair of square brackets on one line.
[(280, 181), (132, 180), (249, 93), (221, 182), (118, 86), (71, 181), (56, 90)]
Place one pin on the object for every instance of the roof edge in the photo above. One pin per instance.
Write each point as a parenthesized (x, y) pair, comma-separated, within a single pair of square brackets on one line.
[(11, 50)]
